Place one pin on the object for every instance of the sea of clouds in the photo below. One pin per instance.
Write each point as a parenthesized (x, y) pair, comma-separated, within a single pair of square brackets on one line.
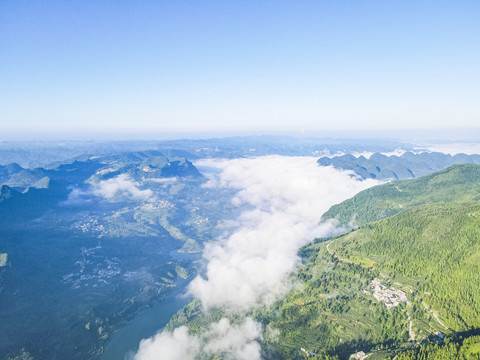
[(249, 265)]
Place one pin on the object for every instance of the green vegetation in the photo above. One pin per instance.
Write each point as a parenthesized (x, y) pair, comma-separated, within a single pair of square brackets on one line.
[(331, 313), (468, 349), (434, 249), (196, 320), (430, 252), (457, 183)]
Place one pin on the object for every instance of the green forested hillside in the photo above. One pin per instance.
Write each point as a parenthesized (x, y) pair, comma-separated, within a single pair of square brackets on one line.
[(332, 313), (431, 253), (457, 183), (435, 249)]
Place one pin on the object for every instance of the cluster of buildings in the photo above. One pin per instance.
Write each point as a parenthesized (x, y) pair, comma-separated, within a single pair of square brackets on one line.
[(358, 356), (390, 296)]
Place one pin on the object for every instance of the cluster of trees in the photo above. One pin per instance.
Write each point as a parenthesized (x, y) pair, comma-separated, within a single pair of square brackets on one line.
[(468, 349)]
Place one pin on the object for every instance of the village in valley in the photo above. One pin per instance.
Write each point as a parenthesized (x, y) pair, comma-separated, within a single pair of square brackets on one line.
[(390, 296)]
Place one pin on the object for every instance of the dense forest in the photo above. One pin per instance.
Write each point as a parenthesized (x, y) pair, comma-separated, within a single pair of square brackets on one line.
[(434, 249), (468, 349)]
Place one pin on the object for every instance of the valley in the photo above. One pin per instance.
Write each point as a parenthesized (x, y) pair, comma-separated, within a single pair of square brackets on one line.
[(97, 254)]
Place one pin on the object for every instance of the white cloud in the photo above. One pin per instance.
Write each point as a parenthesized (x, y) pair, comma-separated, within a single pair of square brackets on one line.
[(232, 341), (78, 197), (365, 154), (283, 199), (179, 345), (396, 152), (162, 180), (121, 187)]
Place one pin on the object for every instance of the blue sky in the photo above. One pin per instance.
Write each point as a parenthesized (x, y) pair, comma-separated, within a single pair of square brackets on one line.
[(153, 66)]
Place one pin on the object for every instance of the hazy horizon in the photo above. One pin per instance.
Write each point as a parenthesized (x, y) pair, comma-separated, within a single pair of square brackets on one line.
[(423, 135)]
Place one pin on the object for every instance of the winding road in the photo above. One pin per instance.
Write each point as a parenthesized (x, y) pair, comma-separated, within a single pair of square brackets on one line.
[(410, 325), (434, 315), (336, 256)]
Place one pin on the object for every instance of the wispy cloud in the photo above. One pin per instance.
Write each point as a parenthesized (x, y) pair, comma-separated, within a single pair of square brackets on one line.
[(119, 188)]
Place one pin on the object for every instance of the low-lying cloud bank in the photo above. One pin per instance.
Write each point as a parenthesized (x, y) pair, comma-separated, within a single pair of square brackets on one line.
[(454, 148), (284, 198), (232, 341)]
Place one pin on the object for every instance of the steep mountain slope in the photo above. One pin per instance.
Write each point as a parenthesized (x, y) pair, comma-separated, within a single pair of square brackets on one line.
[(457, 183), (427, 255), (434, 249)]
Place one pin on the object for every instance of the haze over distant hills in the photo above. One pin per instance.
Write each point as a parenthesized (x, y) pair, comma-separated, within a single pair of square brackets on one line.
[(32, 154), (408, 165)]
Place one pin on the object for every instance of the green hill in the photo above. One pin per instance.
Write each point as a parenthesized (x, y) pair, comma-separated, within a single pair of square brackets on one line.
[(429, 254), (434, 249), (457, 183)]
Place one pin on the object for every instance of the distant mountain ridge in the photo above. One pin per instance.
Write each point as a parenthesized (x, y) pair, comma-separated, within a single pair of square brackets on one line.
[(41, 153), (145, 164), (407, 166), (15, 176)]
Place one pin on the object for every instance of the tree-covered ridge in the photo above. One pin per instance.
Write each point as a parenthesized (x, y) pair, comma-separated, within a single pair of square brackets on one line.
[(434, 248), (457, 183), (430, 252)]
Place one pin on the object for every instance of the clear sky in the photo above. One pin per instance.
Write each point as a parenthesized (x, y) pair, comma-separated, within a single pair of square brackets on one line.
[(114, 65)]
